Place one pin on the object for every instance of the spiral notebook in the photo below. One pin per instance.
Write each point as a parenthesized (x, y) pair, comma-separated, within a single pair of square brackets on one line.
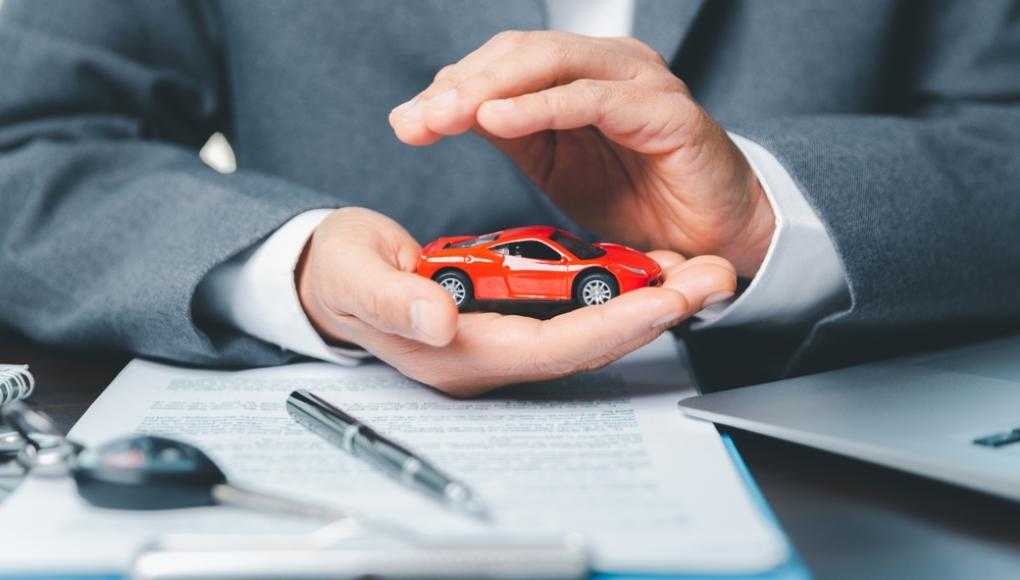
[(16, 383)]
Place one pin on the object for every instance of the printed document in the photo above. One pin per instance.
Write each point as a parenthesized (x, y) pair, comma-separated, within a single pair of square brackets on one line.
[(606, 454)]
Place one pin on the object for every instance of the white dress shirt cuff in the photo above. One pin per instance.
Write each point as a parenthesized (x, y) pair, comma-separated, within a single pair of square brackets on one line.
[(801, 276), (256, 293)]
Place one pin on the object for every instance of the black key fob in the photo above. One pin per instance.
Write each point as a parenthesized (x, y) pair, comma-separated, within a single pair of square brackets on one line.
[(146, 473)]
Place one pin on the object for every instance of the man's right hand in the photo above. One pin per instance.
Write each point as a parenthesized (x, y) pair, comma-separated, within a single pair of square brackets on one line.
[(357, 284)]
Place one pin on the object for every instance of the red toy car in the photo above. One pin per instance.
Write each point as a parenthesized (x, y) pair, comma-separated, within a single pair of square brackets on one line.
[(535, 263)]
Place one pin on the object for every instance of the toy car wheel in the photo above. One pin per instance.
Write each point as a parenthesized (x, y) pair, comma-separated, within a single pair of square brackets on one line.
[(458, 285), (595, 288)]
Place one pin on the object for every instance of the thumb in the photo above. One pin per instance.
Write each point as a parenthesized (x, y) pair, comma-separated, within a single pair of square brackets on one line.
[(367, 262), (400, 302)]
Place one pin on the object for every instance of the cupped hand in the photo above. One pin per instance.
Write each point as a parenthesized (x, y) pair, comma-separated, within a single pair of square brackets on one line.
[(357, 284), (610, 134)]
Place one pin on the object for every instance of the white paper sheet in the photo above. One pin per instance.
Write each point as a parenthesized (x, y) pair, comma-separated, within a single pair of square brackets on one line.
[(605, 454)]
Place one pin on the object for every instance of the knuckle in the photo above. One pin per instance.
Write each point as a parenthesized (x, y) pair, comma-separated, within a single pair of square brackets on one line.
[(689, 123), (558, 53), (366, 305), (595, 94), (629, 96), (481, 82), (510, 38), (359, 225), (643, 49), (352, 213), (551, 102), (445, 73), (590, 89), (664, 81), (379, 307), (677, 86), (656, 58), (701, 123)]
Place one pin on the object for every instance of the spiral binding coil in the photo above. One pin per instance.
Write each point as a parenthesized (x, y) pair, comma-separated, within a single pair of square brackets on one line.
[(16, 383)]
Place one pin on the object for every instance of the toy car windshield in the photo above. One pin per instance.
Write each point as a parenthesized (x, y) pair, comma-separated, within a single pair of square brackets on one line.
[(576, 246), (474, 241)]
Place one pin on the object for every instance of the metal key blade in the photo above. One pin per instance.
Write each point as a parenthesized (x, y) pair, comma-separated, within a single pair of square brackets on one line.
[(343, 523), (229, 494)]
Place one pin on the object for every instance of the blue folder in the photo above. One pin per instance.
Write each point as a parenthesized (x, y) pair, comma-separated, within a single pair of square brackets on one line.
[(792, 569)]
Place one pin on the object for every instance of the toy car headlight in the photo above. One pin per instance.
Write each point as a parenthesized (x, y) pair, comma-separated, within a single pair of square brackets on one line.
[(637, 271)]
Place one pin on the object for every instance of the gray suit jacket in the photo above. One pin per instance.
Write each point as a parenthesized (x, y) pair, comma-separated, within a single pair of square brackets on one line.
[(900, 121)]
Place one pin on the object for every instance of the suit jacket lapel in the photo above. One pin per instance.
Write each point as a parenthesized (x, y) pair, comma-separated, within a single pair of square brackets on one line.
[(664, 24)]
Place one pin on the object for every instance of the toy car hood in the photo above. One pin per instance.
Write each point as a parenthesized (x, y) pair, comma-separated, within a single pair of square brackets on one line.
[(625, 256)]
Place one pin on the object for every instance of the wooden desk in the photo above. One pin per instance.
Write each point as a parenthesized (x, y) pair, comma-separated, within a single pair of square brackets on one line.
[(847, 519)]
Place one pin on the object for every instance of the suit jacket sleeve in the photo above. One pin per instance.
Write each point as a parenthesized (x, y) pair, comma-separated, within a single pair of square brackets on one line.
[(922, 203), (108, 219)]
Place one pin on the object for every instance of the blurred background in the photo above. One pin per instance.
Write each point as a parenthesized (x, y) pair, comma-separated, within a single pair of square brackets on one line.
[(216, 153)]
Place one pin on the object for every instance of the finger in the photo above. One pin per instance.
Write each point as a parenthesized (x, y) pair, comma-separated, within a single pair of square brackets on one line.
[(703, 280), (477, 60), (633, 47), (511, 40), (649, 120), (490, 350), (408, 123), (666, 259), (533, 67), (407, 119), (402, 303), (373, 281)]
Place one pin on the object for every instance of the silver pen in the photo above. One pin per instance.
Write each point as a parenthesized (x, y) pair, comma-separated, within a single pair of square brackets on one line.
[(350, 434)]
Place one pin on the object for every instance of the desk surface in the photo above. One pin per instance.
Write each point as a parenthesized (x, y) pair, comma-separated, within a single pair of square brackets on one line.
[(848, 519)]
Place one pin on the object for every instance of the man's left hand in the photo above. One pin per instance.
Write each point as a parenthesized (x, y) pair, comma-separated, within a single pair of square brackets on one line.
[(610, 134)]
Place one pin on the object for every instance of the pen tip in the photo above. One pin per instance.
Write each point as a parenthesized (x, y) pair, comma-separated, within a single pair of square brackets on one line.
[(477, 509), (460, 496)]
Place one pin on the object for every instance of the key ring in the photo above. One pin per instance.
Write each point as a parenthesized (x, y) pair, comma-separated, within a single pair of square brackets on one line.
[(44, 449)]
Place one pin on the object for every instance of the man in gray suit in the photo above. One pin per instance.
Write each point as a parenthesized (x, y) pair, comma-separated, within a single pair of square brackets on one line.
[(864, 187)]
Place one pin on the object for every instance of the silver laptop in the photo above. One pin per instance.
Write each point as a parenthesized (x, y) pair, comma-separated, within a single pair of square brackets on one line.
[(952, 415)]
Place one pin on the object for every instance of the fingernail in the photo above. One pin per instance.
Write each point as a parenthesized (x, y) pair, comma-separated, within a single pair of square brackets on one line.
[(444, 100), (695, 287), (501, 105), (716, 298), (419, 319), (411, 110)]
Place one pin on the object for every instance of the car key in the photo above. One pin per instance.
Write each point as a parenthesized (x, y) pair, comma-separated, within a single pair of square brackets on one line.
[(145, 472)]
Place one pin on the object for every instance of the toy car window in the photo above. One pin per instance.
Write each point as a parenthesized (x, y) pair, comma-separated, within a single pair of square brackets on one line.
[(576, 246), (474, 241), (533, 250)]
